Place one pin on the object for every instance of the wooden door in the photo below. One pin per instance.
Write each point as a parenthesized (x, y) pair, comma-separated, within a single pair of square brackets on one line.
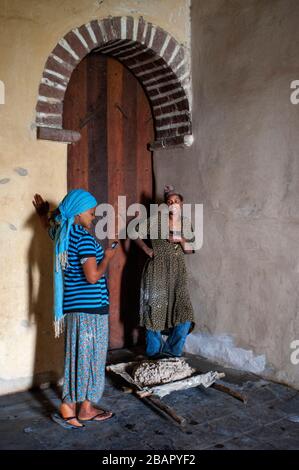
[(109, 107)]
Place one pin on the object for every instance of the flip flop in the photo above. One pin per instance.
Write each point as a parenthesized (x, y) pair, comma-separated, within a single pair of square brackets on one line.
[(107, 413), (57, 418)]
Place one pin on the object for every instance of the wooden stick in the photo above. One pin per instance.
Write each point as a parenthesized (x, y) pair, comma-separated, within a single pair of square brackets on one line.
[(230, 391), (157, 403)]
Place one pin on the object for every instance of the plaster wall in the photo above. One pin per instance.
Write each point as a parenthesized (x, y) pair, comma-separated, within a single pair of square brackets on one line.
[(244, 168), (29, 30)]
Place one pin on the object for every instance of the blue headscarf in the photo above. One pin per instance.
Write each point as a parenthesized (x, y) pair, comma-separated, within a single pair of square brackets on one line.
[(74, 203)]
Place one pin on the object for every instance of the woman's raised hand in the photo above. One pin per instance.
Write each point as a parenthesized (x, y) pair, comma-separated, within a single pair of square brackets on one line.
[(42, 207)]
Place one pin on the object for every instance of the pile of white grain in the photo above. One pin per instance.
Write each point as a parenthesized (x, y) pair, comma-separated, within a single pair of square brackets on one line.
[(149, 373)]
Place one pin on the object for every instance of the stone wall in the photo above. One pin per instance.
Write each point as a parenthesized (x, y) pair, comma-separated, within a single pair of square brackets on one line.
[(244, 168)]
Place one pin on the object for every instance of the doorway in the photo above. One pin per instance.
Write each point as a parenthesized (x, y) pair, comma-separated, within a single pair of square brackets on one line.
[(108, 106)]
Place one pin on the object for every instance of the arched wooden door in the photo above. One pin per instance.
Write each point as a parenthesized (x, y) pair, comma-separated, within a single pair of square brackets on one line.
[(106, 103)]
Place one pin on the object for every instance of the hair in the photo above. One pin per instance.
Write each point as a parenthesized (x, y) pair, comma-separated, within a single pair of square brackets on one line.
[(173, 193), (169, 190), (53, 214)]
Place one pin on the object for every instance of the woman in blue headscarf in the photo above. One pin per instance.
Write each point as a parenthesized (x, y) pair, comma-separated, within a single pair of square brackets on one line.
[(81, 304)]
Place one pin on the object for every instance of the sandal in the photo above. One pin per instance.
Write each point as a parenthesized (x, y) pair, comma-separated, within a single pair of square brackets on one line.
[(106, 415), (57, 418)]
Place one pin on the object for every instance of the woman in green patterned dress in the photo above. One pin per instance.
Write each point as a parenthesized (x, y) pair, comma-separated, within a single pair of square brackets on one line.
[(165, 305)]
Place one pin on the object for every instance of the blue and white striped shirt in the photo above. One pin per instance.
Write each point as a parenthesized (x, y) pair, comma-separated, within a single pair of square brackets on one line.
[(79, 294)]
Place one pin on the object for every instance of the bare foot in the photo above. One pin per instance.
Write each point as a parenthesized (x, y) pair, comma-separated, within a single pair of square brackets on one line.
[(67, 410), (90, 412)]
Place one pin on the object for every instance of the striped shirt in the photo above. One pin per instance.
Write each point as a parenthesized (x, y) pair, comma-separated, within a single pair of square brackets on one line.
[(79, 294)]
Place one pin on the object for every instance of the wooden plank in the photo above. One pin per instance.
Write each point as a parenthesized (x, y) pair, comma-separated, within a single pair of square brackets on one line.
[(144, 135), (167, 410), (115, 148), (75, 107), (130, 282), (128, 104), (130, 128), (158, 405), (230, 391), (97, 129)]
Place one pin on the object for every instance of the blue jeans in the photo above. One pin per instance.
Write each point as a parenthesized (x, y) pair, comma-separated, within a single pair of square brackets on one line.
[(174, 343)]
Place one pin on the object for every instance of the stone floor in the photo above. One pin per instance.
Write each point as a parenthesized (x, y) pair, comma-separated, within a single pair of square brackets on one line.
[(215, 420)]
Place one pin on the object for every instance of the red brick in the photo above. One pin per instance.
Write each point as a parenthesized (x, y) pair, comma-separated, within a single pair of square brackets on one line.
[(146, 55), (161, 82), (148, 33), (183, 105), (184, 130), (50, 121), (116, 26), (167, 109), (129, 49), (65, 70), (166, 133), (64, 55), (57, 135), (159, 40), (108, 26), (76, 45), (55, 79), (130, 26), (97, 32), (55, 108), (181, 71), (140, 29), (181, 118), (159, 101), (172, 86), (174, 141), (50, 92), (165, 99), (84, 32), (164, 89), (117, 47), (158, 73), (180, 106), (149, 66), (169, 49), (178, 58)]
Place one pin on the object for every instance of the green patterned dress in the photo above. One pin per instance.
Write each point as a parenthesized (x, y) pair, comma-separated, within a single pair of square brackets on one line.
[(164, 296)]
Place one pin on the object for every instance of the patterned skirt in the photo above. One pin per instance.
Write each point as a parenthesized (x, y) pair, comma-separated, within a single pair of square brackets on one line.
[(86, 344)]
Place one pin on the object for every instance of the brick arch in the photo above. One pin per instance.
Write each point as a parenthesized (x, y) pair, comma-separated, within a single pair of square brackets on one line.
[(156, 59)]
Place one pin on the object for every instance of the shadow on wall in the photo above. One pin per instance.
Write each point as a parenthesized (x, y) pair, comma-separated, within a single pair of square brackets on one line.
[(48, 354)]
